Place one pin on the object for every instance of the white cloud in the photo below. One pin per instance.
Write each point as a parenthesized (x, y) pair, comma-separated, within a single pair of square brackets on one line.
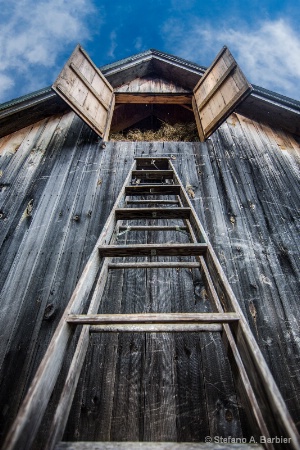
[(34, 34), (113, 44), (268, 54), (6, 82), (138, 43)]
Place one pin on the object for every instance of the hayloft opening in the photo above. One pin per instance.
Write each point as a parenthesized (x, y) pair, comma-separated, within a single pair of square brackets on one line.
[(153, 122)]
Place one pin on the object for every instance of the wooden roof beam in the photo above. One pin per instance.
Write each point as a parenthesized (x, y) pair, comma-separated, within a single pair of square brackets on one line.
[(149, 97)]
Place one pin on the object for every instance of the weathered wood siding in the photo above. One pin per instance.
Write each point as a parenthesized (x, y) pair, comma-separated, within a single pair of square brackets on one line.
[(218, 93), (151, 84), (57, 187), (82, 85)]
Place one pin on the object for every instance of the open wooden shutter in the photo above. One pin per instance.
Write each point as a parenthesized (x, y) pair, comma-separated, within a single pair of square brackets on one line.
[(222, 87), (86, 90)]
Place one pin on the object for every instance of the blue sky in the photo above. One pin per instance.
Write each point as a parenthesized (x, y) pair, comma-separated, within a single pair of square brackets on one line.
[(37, 37)]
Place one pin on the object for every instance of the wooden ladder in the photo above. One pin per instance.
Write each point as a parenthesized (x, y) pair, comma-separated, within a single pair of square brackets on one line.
[(267, 411)]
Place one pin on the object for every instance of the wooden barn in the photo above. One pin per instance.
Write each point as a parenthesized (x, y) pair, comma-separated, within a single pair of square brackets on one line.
[(150, 288)]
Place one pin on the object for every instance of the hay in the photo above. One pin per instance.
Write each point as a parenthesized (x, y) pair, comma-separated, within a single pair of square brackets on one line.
[(186, 132)]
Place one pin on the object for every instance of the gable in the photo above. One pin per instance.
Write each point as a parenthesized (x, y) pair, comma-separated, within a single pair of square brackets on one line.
[(168, 67)]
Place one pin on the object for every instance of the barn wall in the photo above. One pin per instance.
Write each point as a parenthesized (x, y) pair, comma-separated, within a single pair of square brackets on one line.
[(57, 188)]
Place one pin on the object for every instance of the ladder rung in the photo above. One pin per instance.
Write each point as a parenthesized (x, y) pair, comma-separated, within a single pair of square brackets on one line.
[(159, 318), (139, 202), (152, 213), (153, 174), (138, 445), (151, 158), (151, 265), (156, 328), (152, 228), (152, 250), (153, 183), (164, 189)]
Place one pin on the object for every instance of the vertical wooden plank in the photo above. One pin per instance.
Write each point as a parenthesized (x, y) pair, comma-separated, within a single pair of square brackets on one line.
[(126, 416), (159, 380)]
